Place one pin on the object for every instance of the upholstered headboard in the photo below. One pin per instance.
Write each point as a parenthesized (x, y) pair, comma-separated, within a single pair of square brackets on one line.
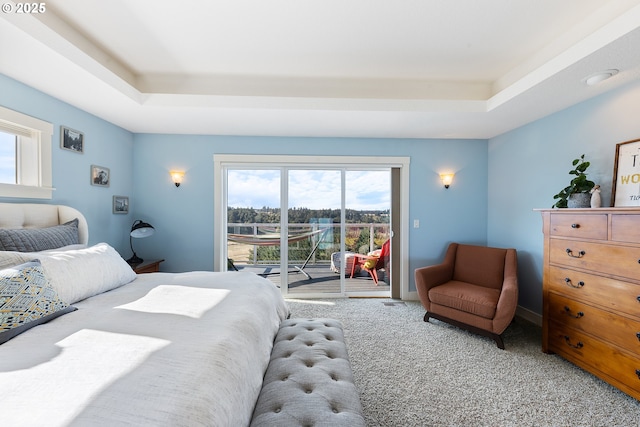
[(33, 215)]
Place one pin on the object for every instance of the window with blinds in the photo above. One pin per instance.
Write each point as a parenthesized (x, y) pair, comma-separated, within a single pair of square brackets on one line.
[(25, 156)]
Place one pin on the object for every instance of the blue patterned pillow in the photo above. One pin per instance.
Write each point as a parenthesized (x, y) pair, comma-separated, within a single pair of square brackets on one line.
[(39, 239), (27, 300)]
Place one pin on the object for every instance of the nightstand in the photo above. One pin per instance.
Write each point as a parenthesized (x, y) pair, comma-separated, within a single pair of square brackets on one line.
[(147, 266)]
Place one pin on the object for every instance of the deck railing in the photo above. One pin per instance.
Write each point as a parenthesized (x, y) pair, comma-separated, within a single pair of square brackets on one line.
[(378, 233)]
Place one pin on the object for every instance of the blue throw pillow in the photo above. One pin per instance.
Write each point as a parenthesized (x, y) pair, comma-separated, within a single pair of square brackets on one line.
[(27, 300)]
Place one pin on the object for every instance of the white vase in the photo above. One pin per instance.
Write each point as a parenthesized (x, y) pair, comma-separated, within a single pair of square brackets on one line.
[(596, 199)]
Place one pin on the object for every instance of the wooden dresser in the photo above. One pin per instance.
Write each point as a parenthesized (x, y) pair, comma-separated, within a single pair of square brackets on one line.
[(591, 291)]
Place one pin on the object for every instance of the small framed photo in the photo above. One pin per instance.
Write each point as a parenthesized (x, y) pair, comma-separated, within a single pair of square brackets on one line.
[(625, 190), (120, 205), (71, 140), (100, 176)]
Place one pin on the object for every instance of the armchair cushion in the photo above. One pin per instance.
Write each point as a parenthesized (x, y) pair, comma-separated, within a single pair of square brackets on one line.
[(462, 296)]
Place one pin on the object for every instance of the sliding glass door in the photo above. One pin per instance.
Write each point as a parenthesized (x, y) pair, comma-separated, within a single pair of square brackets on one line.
[(368, 231), (312, 230), (254, 221), (314, 199)]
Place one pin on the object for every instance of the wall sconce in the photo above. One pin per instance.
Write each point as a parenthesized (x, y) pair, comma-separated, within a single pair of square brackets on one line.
[(177, 176), (447, 178)]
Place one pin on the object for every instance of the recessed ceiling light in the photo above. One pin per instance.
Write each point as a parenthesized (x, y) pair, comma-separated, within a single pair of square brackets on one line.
[(599, 77)]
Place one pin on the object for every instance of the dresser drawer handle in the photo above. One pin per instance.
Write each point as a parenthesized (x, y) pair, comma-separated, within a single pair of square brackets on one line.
[(638, 335), (567, 311), (638, 373), (579, 285), (580, 254), (568, 341), (574, 225), (638, 298)]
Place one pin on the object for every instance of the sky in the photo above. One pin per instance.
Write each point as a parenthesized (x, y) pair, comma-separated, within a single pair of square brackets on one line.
[(313, 189), (7, 158)]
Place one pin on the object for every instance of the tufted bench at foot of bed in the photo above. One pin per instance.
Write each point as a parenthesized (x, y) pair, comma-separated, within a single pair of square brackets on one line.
[(309, 381)]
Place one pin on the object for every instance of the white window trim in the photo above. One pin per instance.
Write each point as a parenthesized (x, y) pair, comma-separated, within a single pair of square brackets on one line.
[(41, 132)]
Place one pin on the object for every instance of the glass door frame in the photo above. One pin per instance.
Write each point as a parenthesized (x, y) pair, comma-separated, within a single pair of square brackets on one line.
[(223, 162)]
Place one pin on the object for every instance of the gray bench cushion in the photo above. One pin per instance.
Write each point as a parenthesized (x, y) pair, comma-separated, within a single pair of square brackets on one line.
[(309, 381)]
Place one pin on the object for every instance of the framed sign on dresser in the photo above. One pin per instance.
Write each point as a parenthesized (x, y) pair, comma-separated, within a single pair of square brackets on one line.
[(591, 291)]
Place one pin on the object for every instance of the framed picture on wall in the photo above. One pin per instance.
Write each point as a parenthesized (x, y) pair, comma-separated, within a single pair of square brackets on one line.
[(120, 205), (71, 140), (625, 190), (100, 176)]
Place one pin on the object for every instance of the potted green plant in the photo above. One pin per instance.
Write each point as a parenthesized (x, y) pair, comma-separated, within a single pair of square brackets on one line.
[(577, 194)]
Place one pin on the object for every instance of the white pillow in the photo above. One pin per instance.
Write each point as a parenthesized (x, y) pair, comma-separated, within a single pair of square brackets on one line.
[(12, 258), (65, 248), (81, 273)]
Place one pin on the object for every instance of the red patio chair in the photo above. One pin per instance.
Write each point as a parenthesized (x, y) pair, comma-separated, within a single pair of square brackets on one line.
[(372, 263)]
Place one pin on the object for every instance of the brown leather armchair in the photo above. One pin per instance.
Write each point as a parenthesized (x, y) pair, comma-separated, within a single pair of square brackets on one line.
[(475, 288)]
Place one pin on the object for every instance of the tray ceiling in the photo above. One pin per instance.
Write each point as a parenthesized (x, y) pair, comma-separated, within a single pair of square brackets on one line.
[(360, 68)]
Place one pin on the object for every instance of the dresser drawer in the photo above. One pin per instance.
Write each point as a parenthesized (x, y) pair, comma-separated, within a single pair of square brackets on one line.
[(596, 356), (579, 226), (625, 228), (610, 294), (611, 327), (622, 261)]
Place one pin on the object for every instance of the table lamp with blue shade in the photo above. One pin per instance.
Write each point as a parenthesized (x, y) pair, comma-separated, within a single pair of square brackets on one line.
[(139, 230)]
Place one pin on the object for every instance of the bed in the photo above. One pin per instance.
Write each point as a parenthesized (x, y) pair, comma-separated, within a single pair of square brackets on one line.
[(161, 349)]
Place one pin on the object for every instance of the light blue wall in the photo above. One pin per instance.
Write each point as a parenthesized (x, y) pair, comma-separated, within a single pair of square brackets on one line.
[(529, 165), (105, 145), (498, 182), (184, 216)]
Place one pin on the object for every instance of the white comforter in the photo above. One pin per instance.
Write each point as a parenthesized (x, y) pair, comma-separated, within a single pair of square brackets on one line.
[(186, 349)]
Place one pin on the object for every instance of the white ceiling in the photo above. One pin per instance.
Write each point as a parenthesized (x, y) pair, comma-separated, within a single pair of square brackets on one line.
[(354, 68)]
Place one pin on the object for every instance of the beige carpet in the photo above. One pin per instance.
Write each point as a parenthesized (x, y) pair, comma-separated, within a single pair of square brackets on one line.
[(412, 373)]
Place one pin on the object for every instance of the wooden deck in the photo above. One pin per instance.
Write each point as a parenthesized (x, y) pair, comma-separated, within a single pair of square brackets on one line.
[(322, 280)]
